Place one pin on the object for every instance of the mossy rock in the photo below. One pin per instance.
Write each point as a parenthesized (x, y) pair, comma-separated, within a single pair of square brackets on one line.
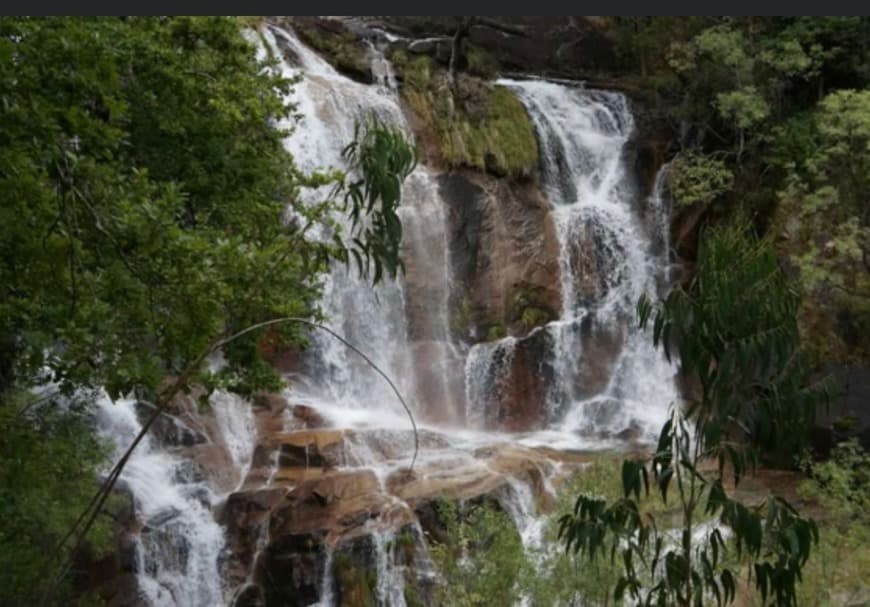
[(533, 317), (476, 124), (355, 584), (341, 48), (530, 309), (496, 332)]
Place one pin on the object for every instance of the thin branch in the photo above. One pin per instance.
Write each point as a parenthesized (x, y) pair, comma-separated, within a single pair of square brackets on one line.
[(99, 499)]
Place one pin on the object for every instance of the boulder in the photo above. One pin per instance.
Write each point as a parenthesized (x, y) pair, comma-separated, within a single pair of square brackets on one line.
[(848, 416), (504, 249), (168, 429), (290, 569)]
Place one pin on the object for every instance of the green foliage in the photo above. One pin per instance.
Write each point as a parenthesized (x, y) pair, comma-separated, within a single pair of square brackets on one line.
[(143, 183), (824, 217), (734, 329), (696, 178), (475, 124), (482, 554), (357, 586), (728, 86), (496, 332), (382, 158), (481, 63), (48, 454), (841, 483), (558, 577), (841, 487)]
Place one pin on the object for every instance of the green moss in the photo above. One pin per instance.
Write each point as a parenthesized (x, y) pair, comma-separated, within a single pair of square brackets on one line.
[(357, 585), (462, 316), (497, 331), (476, 124), (481, 63), (535, 317), (530, 308), (412, 599)]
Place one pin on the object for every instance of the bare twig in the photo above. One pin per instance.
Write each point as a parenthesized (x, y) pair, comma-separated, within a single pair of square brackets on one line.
[(99, 499)]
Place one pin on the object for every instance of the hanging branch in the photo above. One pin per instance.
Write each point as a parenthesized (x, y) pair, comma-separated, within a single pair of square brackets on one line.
[(99, 499)]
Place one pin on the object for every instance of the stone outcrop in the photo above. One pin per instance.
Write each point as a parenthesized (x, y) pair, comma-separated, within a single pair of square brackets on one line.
[(567, 47), (320, 511), (504, 252)]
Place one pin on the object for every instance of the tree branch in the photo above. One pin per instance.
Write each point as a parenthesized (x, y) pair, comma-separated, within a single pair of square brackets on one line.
[(163, 400)]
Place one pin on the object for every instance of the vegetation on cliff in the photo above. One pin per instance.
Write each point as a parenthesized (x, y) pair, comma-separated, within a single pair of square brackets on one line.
[(475, 123), (142, 186), (769, 116), (733, 329)]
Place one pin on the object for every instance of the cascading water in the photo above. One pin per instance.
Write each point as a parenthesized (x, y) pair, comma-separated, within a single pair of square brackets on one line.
[(180, 543), (606, 262), (607, 259)]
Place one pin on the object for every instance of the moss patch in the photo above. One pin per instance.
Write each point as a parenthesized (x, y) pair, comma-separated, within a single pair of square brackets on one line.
[(476, 124), (531, 310), (496, 332), (356, 584)]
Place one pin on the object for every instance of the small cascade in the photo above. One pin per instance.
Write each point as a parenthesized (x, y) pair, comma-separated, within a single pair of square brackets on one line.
[(235, 423), (519, 503), (327, 592), (391, 582), (487, 367), (605, 264), (179, 546), (374, 317)]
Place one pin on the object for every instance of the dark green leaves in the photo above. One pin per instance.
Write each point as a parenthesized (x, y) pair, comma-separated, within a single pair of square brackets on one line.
[(734, 329), (382, 158)]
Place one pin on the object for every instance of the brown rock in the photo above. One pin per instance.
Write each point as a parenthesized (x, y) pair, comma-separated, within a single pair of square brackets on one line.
[(503, 247)]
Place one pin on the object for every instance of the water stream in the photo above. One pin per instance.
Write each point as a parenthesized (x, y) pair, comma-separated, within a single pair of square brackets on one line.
[(607, 379)]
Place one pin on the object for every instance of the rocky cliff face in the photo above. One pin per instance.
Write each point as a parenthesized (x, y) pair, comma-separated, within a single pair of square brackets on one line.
[(505, 287)]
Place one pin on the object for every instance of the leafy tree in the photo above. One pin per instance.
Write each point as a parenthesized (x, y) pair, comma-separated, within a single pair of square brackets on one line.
[(696, 178), (734, 331), (143, 181), (824, 217)]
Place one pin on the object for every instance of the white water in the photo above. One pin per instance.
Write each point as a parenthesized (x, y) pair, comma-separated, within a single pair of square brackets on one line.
[(405, 327), (606, 258), (179, 547)]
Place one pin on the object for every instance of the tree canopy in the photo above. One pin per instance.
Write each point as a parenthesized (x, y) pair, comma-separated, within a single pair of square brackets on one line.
[(143, 182)]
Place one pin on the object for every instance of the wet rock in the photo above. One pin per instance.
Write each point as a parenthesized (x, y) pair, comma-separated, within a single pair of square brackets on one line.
[(849, 413), (250, 595), (341, 45), (322, 448), (188, 471), (596, 258), (161, 518), (290, 570), (168, 429), (503, 248), (600, 347), (245, 516), (523, 405), (354, 569), (308, 417)]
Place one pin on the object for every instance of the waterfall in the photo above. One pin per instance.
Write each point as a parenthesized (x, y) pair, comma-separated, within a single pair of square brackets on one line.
[(607, 378), (178, 548), (606, 262)]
